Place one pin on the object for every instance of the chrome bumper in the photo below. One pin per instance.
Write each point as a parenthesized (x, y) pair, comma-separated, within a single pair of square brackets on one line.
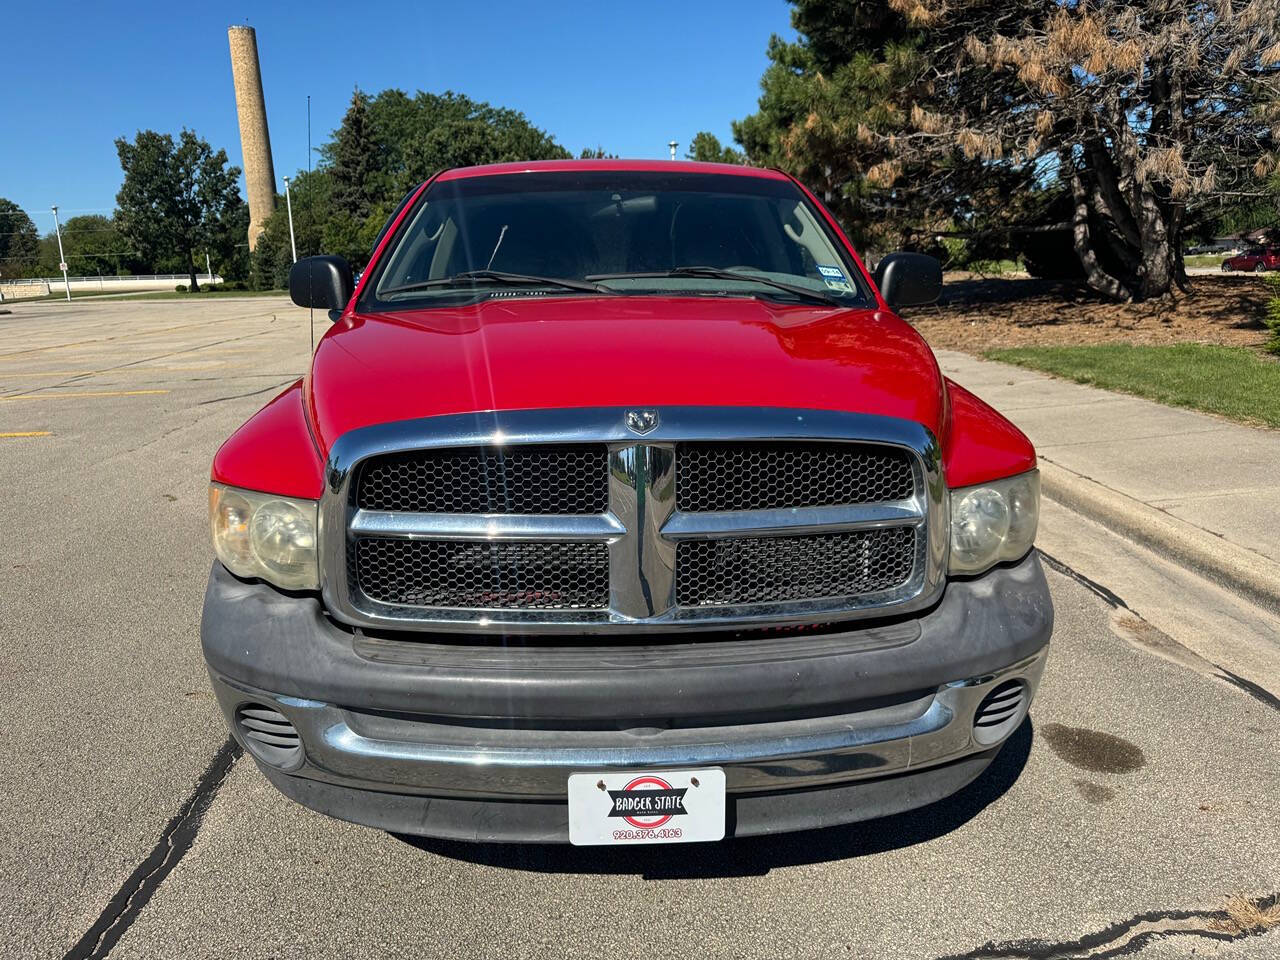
[(405, 754)]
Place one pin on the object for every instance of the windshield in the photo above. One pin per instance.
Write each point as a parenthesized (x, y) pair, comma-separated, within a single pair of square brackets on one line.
[(613, 232)]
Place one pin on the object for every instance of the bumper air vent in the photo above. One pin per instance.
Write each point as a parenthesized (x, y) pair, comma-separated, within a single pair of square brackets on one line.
[(1000, 712), (269, 735)]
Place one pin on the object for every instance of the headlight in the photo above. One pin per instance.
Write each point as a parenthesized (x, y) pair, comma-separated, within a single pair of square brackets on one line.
[(263, 535), (993, 522)]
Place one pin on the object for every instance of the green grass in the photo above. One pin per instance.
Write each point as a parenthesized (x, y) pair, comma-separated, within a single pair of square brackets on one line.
[(1205, 260), (175, 295), (152, 295), (1234, 382), (992, 268)]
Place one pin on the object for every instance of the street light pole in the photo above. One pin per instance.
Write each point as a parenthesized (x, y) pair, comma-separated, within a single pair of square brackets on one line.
[(672, 145), (62, 260), (289, 202), (208, 267)]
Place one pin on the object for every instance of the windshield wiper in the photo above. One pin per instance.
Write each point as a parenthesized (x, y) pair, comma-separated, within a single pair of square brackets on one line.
[(468, 278), (719, 273)]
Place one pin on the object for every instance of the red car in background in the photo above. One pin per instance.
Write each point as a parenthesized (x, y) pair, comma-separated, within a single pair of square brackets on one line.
[(1255, 260)]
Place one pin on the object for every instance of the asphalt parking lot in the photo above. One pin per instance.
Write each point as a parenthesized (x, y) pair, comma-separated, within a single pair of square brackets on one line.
[(1142, 793)]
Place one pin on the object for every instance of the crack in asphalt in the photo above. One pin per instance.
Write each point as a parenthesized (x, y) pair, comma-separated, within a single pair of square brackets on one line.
[(1109, 597), (1258, 692), (1122, 939), (127, 338), (178, 836), (254, 393), (1113, 600)]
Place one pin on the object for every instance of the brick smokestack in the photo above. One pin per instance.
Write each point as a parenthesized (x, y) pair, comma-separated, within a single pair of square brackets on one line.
[(255, 142)]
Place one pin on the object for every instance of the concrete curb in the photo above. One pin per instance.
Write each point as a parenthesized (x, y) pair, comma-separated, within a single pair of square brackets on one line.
[(1238, 569)]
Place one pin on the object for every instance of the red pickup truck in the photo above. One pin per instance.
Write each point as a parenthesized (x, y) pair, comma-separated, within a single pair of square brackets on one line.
[(619, 506)]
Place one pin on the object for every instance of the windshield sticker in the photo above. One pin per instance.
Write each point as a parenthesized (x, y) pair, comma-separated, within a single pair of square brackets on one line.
[(834, 278)]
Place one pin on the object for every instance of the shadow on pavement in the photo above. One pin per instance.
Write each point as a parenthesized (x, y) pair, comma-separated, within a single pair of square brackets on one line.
[(756, 856)]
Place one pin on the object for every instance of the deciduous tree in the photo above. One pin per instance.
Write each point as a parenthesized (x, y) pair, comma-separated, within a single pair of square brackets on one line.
[(19, 241), (177, 199), (386, 145), (94, 245)]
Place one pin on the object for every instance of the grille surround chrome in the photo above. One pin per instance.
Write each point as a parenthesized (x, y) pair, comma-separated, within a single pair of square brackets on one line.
[(642, 525)]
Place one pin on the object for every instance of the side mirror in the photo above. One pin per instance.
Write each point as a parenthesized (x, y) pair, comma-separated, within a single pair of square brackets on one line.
[(908, 279), (324, 282)]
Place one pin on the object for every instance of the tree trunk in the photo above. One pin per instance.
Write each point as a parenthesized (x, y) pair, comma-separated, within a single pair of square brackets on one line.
[(1179, 264), (191, 270), (1158, 255), (1140, 243), (1094, 275)]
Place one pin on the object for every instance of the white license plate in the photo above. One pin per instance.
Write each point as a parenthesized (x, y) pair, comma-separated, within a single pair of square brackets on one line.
[(672, 806)]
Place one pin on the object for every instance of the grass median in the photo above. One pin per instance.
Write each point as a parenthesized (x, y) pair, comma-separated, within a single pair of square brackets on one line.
[(1234, 382), (202, 294)]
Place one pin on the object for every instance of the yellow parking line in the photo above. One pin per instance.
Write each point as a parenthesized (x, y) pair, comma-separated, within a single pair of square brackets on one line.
[(27, 433), (68, 396)]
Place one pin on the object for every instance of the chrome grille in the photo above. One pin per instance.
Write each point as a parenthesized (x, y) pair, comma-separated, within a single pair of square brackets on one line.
[(750, 570), (544, 479), (766, 476), (483, 576), (570, 520)]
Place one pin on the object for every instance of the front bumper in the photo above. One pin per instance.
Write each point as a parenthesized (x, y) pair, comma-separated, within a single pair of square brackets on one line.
[(476, 740)]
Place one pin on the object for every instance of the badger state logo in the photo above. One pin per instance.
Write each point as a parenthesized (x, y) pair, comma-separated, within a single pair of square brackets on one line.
[(647, 802), (642, 421)]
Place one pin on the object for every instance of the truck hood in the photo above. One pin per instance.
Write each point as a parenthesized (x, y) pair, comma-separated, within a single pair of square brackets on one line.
[(536, 353)]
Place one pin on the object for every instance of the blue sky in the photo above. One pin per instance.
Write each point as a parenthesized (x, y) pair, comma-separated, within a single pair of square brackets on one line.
[(628, 77)]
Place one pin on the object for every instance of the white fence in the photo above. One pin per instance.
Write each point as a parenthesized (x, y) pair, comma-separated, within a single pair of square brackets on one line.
[(17, 289)]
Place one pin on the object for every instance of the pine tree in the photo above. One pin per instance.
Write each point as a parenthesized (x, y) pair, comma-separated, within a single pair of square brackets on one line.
[(706, 148), (1119, 124), (1148, 112), (354, 155), (832, 104)]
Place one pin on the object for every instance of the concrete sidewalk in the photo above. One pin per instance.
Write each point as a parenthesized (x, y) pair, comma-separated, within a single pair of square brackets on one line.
[(1203, 490)]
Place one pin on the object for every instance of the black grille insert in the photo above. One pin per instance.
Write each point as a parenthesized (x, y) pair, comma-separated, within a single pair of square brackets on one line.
[(750, 570), (569, 479), (482, 575), (771, 475)]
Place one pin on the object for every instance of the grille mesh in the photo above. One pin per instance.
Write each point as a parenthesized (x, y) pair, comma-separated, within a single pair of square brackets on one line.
[(775, 569), (764, 476), (442, 573), (543, 479)]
